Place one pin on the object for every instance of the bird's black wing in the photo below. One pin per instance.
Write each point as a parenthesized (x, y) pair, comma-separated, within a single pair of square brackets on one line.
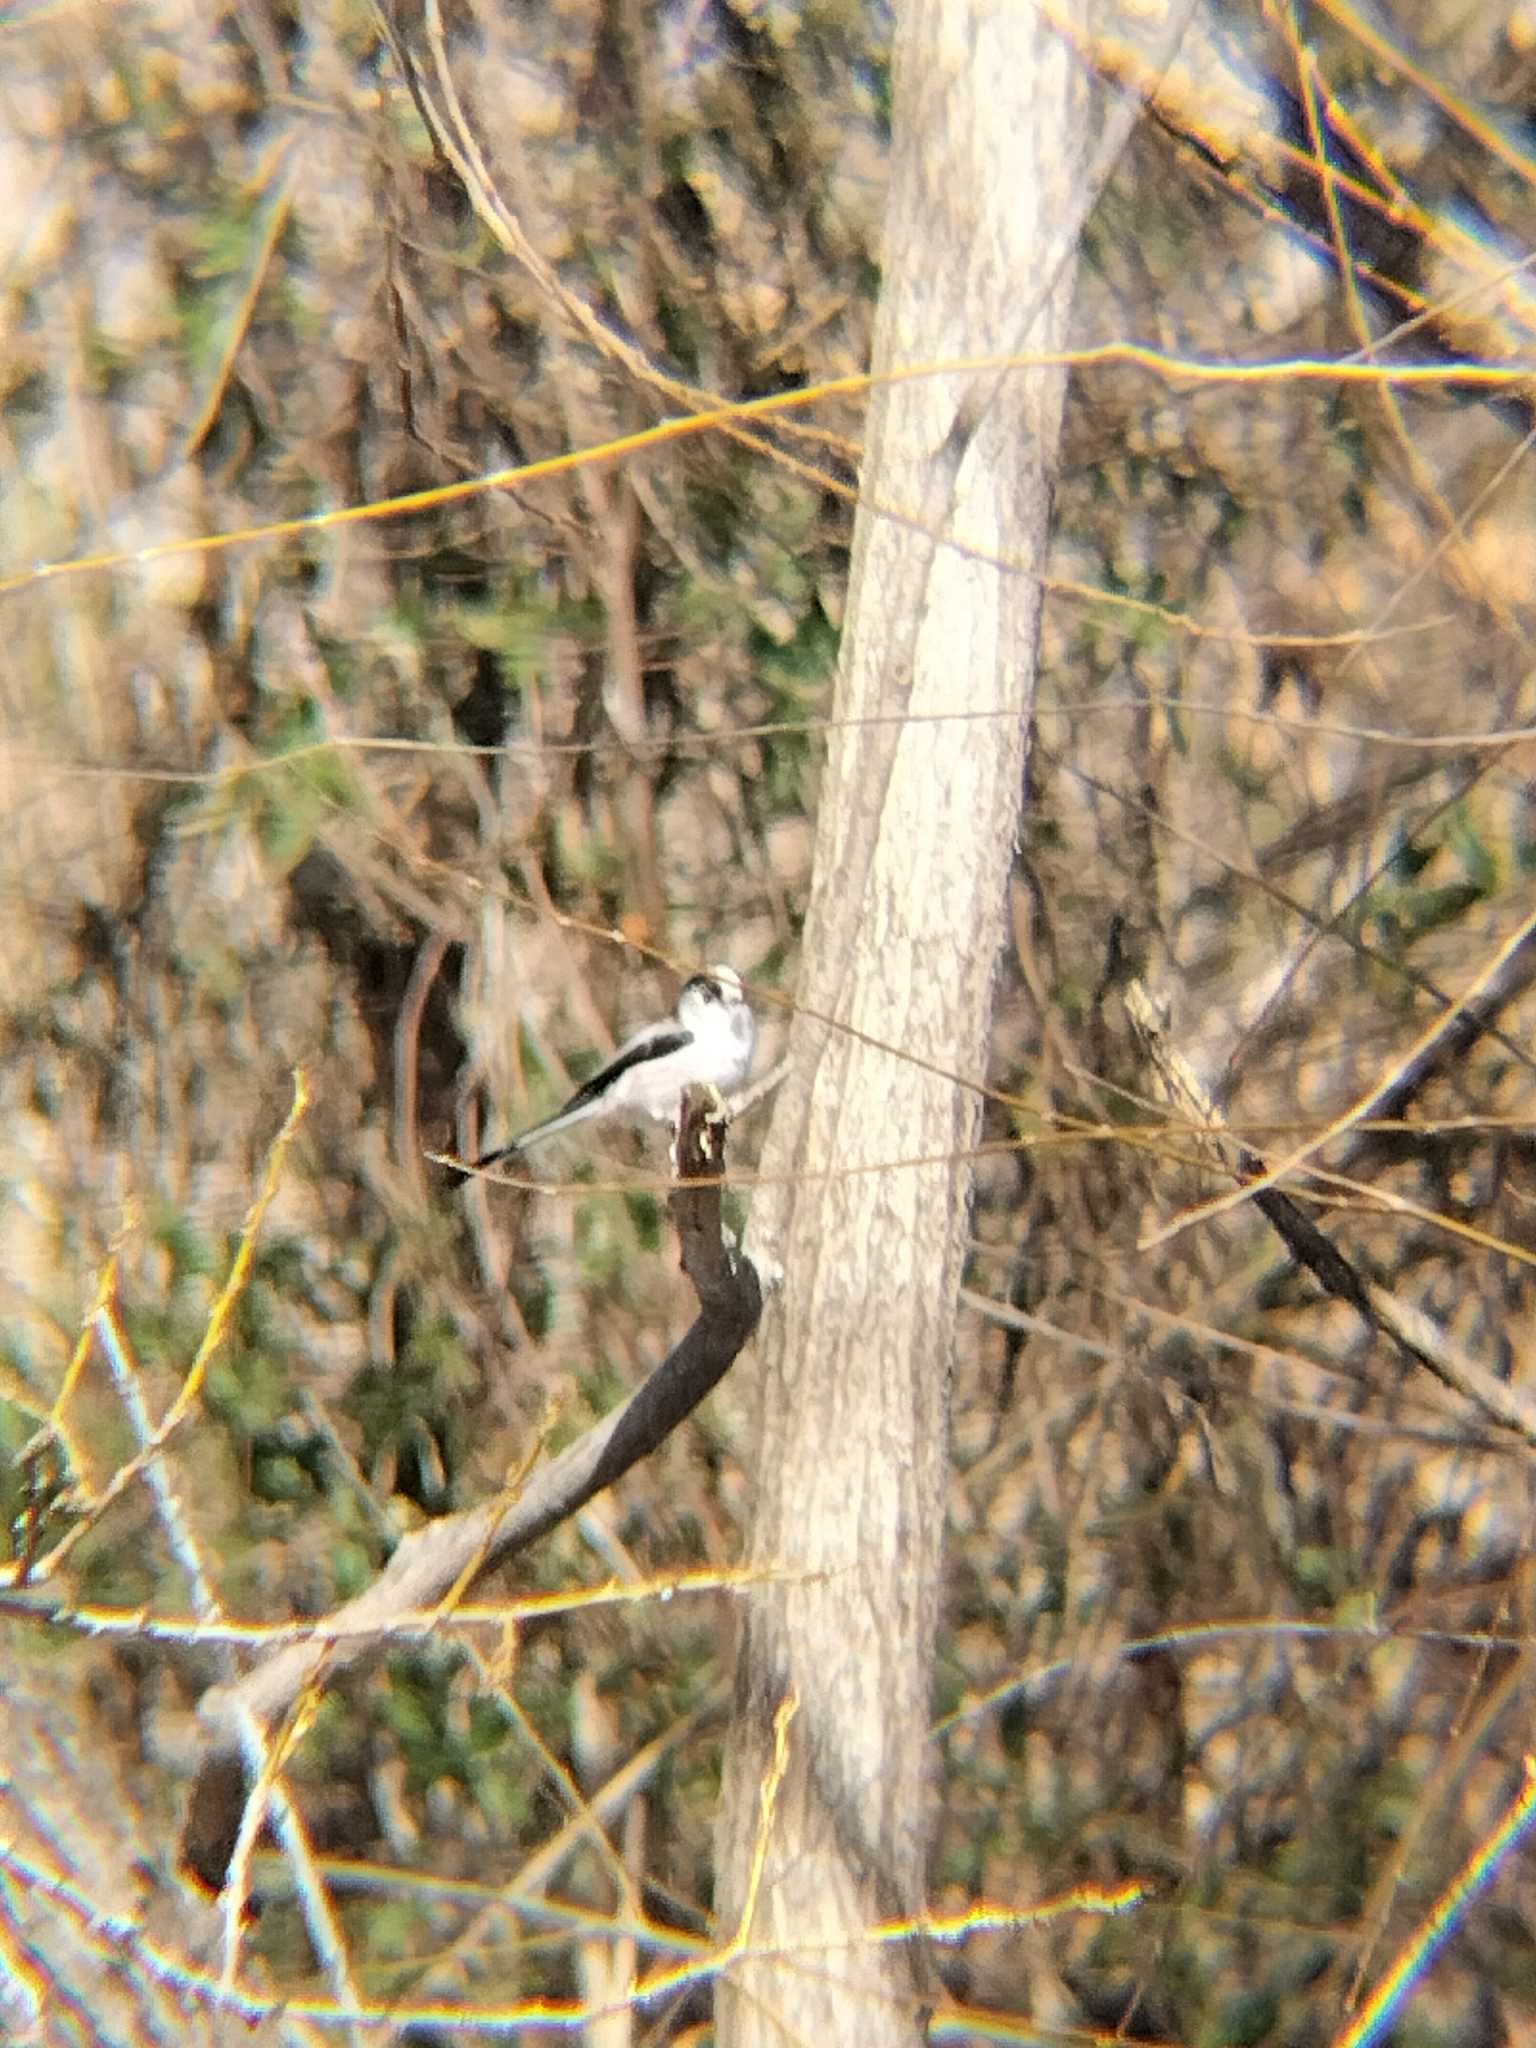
[(652, 1045), (649, 1045)]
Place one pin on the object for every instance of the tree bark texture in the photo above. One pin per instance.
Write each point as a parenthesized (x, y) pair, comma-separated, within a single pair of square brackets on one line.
[(919, 811)]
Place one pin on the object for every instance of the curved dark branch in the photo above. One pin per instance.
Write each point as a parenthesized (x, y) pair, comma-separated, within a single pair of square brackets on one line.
[(431, 1562)]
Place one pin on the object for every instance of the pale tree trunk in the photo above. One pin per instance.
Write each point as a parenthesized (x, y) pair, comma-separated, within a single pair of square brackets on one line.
[(916, 832)]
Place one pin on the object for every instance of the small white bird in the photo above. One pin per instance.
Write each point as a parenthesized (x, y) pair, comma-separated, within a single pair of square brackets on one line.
[(708, 1043)]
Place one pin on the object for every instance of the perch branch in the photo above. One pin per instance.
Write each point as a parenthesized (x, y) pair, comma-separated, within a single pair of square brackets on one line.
[(448, 1555)]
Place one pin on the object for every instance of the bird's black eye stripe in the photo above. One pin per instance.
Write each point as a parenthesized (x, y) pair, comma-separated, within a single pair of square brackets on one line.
[(702, 985)]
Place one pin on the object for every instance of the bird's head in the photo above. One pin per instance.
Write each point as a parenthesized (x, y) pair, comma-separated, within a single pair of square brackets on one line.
[(718, 987)]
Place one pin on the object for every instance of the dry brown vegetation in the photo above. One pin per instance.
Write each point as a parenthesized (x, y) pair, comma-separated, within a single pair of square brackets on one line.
[(1237, 1598)]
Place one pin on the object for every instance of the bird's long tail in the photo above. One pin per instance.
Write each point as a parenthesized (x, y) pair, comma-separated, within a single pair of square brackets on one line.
[(526, 1140)]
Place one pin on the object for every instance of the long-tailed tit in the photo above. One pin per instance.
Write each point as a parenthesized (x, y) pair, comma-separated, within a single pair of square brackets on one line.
[(708, 1044)]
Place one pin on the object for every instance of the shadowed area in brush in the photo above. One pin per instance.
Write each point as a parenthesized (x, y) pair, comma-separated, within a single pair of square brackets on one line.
[(453, 1553)]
